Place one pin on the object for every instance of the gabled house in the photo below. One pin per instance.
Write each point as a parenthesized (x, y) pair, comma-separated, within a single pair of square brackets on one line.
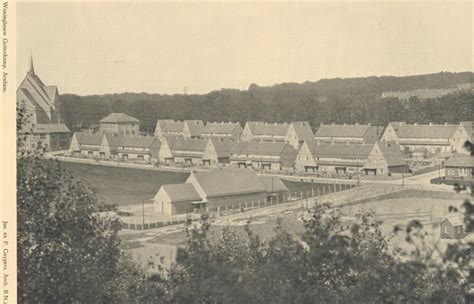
[(186, 129), (264, 131), (345, 133), (86, 144), (385, 158), (139, 148), (275, 156), (231, 130), (188, 151), (217, 151), (217, 189), (298, 132), (165, 154), (434, 139), (120, 123), (460, 166), (332, 158), (176, 199), (452, 227)]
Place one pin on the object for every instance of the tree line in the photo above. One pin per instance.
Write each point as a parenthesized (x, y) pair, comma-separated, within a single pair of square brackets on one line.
[(326, 101)]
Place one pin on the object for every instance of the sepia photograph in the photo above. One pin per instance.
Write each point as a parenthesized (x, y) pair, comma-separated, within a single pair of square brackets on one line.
[(237, 152)]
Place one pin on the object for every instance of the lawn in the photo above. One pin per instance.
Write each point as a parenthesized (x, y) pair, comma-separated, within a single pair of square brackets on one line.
[(126, 186), (123, 186)]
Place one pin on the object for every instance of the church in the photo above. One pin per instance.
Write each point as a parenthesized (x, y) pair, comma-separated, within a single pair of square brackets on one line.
[(43, 126)]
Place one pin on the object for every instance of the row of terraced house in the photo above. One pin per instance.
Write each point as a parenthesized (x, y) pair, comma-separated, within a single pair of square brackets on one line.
[(339, 149)]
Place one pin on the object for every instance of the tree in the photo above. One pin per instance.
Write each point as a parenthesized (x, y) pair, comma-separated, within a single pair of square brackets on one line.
[(67, 252), (320, 265)]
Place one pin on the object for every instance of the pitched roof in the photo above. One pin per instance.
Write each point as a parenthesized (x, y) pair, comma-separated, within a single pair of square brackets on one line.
[(50, 128), (273, 184), (168, 125), (303, 130), (423, 131), (222, 146), (229, 182), (392, 153), (195, 127), (181, 192), (190, 145), (343, 130), (259, 148), (469, 127), (460, 160), (84, 138), (138, 141), (43, 97), (220, 127), (339, 150), (118, 118), (260, 128), (454, 219)]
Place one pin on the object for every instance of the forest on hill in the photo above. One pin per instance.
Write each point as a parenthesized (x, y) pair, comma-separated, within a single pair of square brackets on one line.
[(325, 101)]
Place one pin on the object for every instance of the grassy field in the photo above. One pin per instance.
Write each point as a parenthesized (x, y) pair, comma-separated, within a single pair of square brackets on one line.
[(126, 186), (123, 186)]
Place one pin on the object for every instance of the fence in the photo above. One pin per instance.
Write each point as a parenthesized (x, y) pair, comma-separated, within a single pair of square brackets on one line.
[(135, 223)]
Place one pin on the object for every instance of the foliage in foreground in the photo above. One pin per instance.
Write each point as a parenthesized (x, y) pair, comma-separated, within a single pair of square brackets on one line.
[(66, 253)]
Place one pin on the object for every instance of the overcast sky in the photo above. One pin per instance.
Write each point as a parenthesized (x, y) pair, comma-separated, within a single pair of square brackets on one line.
[(91, 48)]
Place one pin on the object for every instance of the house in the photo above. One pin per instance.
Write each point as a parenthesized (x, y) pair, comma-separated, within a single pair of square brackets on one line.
[(217, 189), (298, 132), (138, 148), (231, 130), (41, 102), (332, 157), (188, 151), (217, 151), (46, 137), (378, 158), (264, 131), (452, 227), (86, 144), (176, 199), (187, 128), (385, 158), (345, 133), (435, 139), (120, 123), (460, 166), (275, 156), (165, 153)]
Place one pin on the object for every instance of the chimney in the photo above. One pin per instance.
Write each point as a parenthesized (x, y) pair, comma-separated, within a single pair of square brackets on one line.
[(447, 124), (430, 123), (344, 124), (332, 142), (415, 124), (357, 123)]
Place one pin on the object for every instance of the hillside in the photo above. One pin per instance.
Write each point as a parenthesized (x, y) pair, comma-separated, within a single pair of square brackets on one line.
[(327, 100)]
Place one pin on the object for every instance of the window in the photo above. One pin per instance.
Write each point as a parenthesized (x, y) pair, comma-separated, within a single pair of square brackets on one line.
[(42, 136)]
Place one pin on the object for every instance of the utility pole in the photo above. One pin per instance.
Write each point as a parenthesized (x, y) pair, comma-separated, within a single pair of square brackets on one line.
[(357, 170), (143, 214)]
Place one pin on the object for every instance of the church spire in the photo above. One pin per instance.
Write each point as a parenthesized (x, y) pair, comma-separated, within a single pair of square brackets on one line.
[(32, 68)]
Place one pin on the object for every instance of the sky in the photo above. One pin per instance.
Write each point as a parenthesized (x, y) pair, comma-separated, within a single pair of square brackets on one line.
[(96, 48)]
